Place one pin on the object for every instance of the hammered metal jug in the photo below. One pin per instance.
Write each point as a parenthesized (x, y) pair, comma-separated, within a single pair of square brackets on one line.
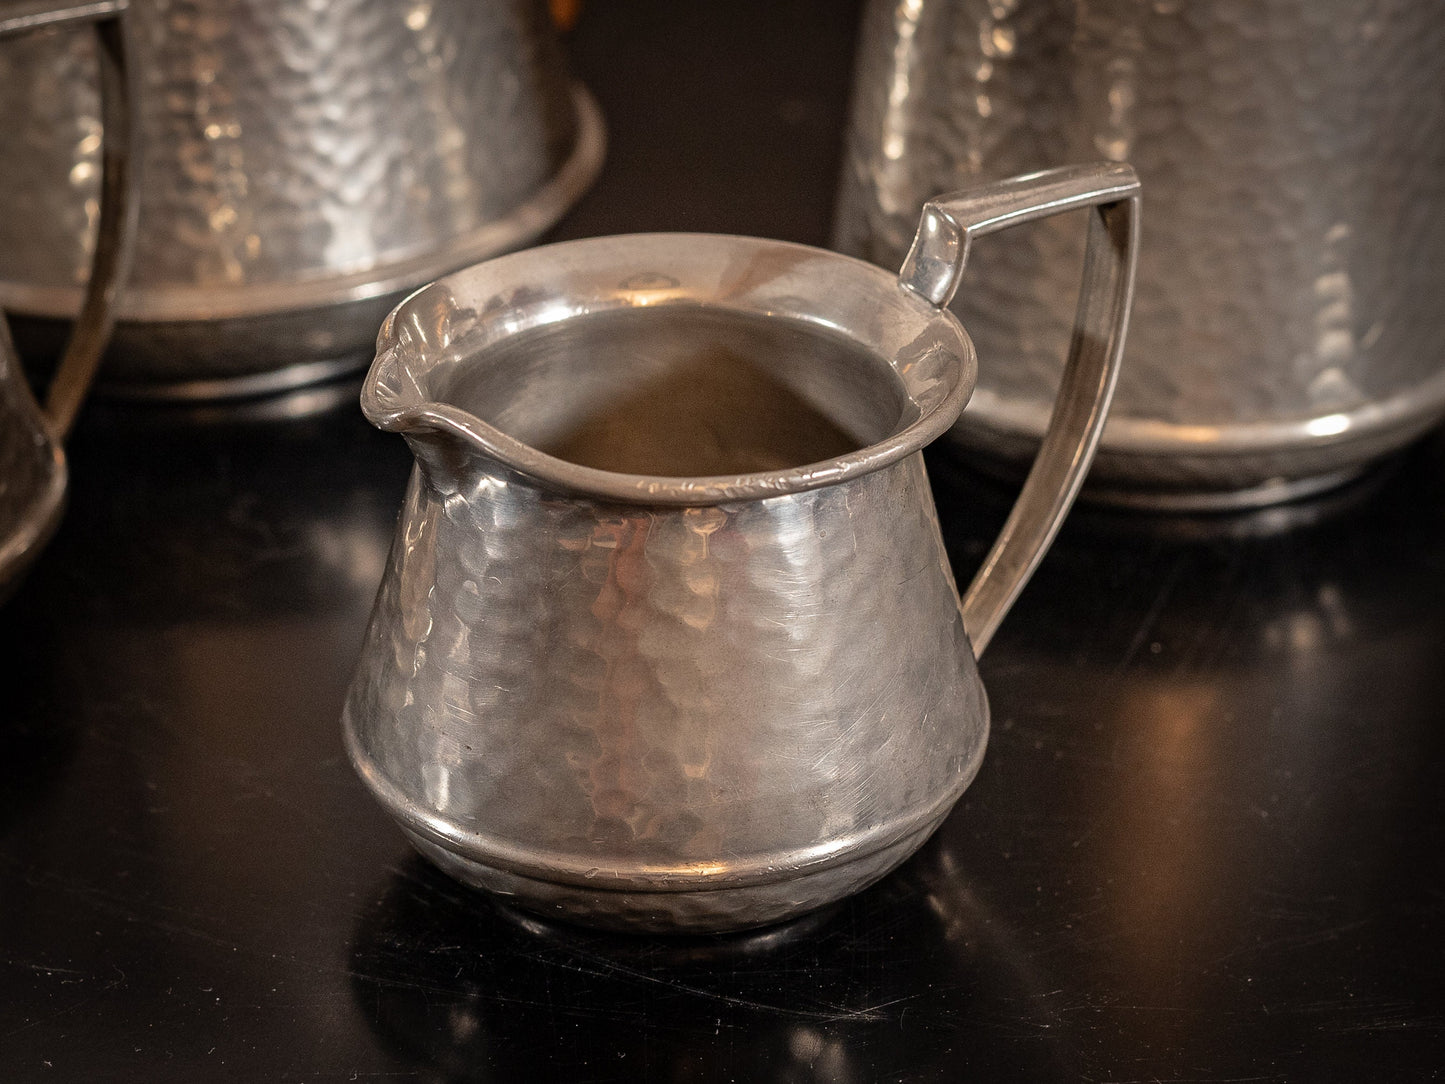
[(1288, 328), (307, 164), (668, 639), (33, 474)]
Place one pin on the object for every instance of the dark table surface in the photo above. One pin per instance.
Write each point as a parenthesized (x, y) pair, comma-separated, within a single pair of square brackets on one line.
[(1207, 843)]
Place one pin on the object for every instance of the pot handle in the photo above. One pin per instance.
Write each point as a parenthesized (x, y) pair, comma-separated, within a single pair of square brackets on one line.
[(933, 268), (115, 231)]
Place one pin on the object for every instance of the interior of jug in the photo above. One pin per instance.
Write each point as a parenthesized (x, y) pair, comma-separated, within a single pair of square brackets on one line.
[(684, 390)]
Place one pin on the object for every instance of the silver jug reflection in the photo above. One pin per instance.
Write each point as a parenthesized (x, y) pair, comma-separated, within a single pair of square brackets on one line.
[(306, 166), (33, 476), (1288, 324), (668, 639)]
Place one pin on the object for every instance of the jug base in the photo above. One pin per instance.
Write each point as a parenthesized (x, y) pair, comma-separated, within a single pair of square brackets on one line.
[(696, 911)]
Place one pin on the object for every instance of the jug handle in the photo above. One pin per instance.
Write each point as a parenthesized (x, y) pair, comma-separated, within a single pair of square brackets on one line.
[(933, 268), (115, 230)]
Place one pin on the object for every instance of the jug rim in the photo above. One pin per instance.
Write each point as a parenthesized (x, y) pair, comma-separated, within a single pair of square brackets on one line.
[(937, 377)]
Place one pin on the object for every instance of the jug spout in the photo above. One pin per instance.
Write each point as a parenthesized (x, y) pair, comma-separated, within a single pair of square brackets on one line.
[(407, 388)]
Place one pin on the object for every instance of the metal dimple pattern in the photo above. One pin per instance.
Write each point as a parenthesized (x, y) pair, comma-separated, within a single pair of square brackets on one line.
[(635, 689), (1292, 155), (49, 156), (285, 141)]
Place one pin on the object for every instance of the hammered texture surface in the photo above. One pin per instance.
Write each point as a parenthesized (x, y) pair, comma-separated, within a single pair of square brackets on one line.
[(666, 696), (1292, 154), (285, 141)]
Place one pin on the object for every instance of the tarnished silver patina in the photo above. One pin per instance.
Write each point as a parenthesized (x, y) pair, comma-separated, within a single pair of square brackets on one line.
[(32, 460), (309, 164), (668, 638), (1288, 325)]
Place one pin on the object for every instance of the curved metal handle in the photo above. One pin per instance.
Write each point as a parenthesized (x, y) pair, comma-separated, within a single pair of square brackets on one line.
[(115, 231), (933, 268)]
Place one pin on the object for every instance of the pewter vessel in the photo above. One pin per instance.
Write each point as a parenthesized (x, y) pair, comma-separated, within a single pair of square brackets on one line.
[(307, 166), (1288, 327), (668, 639)]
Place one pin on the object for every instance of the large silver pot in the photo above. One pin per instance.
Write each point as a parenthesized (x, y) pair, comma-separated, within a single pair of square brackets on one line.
[(1289, 326), (306, 164), (668, 638)]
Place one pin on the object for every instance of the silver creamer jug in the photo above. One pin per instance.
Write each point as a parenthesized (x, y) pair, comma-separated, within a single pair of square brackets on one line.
[(668, 639)]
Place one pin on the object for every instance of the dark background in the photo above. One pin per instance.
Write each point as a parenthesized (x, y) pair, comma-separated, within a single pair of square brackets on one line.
[(1206, 844)]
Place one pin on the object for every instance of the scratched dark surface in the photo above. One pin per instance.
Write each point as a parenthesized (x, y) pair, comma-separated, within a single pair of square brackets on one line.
[(1207, 843)]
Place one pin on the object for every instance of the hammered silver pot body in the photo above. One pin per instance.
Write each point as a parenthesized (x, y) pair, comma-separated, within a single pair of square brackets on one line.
[(649, 718), (304, 165), (1288, 323)]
